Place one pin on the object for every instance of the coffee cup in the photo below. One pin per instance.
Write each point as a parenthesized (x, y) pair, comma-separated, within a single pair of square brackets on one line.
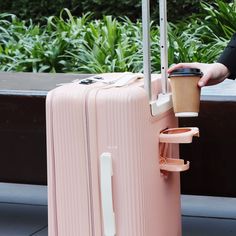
[(185, 91)]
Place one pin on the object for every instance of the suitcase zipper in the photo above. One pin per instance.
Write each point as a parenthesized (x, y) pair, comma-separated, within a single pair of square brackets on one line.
[(89, 164), (108, 221), (89, 155)]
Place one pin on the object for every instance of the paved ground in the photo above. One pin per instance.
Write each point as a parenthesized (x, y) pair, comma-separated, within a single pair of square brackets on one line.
[(208, 216), (23, 212)]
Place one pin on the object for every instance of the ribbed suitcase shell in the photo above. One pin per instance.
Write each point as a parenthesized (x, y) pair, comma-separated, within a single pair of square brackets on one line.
[(83, 121)]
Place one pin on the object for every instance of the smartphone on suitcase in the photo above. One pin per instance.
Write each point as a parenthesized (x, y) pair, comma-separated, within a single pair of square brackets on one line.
[(103, 153)]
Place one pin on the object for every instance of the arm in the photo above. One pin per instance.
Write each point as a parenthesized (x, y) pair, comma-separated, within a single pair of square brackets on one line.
[(228, 57)]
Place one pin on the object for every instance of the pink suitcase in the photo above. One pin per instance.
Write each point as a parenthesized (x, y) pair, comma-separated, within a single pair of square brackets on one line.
[(105, 156)]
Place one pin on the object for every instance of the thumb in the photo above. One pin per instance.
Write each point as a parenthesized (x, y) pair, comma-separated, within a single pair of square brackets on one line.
[(204, 80)]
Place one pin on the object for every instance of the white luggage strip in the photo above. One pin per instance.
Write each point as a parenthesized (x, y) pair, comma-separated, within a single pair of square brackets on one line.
[(106, 173), (112, 79), (116, 80)]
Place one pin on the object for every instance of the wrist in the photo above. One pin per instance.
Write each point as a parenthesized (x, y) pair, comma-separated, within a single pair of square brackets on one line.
[(224, 70)]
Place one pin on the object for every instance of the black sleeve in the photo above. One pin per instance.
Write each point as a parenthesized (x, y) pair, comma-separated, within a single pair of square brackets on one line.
[(228, 57)]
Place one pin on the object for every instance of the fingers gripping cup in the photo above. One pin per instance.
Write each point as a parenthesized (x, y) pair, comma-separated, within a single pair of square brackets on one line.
[(185, 91)]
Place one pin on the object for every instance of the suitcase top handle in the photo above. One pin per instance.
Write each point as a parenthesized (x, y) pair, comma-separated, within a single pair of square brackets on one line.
[(163, 103)]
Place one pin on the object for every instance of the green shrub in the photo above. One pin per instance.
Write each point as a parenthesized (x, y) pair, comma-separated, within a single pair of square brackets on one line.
[(84, 45), (221, 18), (39, 9)]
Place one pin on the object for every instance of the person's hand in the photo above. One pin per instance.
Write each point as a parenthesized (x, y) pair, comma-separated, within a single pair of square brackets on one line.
[(212, 73)]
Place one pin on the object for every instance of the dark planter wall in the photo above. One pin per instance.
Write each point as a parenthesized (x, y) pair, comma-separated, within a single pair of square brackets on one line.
[(213, 155), (22, 139), (23, 125)]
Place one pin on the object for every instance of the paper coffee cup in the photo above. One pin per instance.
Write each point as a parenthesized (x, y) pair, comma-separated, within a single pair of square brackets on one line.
[(185, 92)]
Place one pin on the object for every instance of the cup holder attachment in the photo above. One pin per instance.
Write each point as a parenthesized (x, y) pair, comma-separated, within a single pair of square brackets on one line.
[(178, 135), (175, 135), (173, 165)]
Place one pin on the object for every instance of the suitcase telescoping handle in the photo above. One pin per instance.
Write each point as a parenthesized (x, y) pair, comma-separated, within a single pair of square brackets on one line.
[(164, 101)]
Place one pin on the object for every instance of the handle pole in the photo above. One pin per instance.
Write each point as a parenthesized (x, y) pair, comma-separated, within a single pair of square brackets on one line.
[(146, 47), (163, 44)]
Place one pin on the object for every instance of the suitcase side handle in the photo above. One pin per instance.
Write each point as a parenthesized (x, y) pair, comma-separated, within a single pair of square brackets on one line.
[(164, 100), (106, 174)]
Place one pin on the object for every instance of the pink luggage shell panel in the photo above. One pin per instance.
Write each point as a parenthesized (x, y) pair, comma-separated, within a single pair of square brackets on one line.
[(84, 121)]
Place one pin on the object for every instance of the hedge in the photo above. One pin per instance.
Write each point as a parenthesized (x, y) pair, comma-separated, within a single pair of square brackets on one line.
[(80, 44), (39, 9)]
